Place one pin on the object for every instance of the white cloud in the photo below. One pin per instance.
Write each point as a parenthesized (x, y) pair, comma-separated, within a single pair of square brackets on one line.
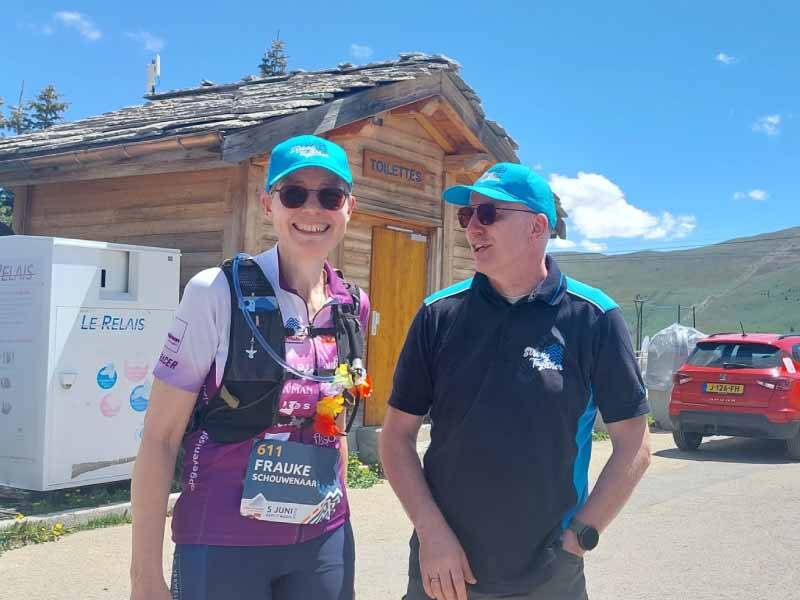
[(150, 42), (559, 244), (598, 209), (359, 51), (725, 59), (591, 246), (768, 124), (759, 195), (76, 20), (537, 167)]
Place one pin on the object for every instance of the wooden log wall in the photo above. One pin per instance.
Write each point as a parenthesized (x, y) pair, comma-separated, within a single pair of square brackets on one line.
[(401, 137), (186, 211)]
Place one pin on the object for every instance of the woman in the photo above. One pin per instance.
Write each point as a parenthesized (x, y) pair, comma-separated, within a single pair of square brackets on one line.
[(261, 359)]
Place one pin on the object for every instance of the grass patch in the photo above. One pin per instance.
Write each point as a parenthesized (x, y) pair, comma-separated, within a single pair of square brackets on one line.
[(600, 436), (24, 532), (38, 503), (361, 476)]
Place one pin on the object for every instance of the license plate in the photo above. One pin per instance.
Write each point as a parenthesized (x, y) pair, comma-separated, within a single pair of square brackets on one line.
[(723, 388)]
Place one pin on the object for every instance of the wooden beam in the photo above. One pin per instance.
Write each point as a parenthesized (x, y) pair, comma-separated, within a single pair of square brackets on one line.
[(434, 278), (469, 163), (421, 111), (438, 136), (164, 155), (423, 105), (448, 233), (21, 214), (235, 211), (120, 166), (253, 214), (498, 146), (351, 129), (239, 145)]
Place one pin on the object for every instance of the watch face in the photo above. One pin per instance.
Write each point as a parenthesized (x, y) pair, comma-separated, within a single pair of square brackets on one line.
[(588, 538)]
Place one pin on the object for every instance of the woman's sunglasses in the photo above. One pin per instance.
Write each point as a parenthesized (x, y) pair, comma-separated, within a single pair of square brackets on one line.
[(295, 196), (487, 214)]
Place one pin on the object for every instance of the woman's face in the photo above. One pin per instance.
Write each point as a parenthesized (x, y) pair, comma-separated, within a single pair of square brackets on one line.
[(309, 231)]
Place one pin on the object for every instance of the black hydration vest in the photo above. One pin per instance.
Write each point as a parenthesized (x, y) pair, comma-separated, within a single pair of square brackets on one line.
[(247, 401)]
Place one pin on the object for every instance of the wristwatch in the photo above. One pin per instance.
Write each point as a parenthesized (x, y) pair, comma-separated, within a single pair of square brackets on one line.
[(588, 536)]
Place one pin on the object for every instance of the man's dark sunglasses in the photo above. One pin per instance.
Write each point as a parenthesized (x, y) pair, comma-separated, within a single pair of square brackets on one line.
[(295, 196), (487, 213)]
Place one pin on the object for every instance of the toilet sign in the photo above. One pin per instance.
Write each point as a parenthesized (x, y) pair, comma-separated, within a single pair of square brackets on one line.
[(396, 170)]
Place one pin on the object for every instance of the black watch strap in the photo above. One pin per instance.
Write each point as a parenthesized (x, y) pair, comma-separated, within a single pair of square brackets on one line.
[(588, 536)]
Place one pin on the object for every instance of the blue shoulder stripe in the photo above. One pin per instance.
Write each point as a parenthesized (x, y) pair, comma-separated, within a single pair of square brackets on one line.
[(590, 294), (454, 289)]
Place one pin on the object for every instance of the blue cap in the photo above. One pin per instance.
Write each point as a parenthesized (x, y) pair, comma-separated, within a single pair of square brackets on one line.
[(304, 151), (509, 182)]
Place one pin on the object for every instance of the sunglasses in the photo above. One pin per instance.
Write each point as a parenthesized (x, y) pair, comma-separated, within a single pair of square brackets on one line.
[(487, 214), (295, 196)]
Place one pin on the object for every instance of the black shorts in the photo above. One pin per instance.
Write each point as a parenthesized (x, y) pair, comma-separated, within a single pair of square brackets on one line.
[(567, 583)]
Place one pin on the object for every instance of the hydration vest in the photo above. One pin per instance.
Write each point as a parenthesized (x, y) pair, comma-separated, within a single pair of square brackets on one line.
[(249, 394)]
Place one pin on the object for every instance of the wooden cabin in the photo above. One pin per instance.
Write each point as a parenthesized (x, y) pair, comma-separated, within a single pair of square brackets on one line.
[(186, 168)]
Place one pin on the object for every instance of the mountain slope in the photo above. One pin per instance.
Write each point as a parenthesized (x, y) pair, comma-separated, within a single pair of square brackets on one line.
[(754, 280)]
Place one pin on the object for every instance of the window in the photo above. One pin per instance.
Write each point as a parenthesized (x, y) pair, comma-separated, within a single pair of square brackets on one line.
[(743, 355)]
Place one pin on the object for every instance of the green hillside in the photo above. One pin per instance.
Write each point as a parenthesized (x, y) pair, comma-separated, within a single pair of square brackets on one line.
[(754, 280)]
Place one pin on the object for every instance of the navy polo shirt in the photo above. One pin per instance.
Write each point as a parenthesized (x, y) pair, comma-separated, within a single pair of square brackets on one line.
[(512, 392)]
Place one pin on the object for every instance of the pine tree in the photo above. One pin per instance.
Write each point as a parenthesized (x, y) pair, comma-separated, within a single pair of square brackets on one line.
[(6, 206), (274, 60), (47, 110), (19, 119)]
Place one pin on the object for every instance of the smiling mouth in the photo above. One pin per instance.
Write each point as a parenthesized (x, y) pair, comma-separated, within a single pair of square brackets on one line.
[(477, 248), (311, 228)]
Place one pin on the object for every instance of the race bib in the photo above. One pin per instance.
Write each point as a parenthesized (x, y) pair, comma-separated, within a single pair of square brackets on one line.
[(288, 482)]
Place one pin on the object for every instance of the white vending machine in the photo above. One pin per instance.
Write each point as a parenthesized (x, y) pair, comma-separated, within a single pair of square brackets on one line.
[(81, 326)]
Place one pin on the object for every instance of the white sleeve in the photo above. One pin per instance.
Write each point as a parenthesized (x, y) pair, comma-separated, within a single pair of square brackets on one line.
[(198, 337)]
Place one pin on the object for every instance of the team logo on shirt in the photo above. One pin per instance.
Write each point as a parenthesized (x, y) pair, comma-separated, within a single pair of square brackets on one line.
[(175, 335), (548, 358)]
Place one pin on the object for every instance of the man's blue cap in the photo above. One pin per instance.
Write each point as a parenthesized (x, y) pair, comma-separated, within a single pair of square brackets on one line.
[(509, 182), (304, 151)]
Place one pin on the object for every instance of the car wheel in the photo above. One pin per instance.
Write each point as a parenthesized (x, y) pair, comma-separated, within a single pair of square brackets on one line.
[(793, 447), (686, 440)]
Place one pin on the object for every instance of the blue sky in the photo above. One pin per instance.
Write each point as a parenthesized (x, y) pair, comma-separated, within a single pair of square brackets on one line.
[(660, 126)]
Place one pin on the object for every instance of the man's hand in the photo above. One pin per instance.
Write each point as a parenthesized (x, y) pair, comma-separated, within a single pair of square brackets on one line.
[(570, 543), (444, 566)]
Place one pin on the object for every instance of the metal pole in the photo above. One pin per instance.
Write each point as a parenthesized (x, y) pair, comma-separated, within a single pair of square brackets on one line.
[(638, 304), (694, 318), (679, 313)]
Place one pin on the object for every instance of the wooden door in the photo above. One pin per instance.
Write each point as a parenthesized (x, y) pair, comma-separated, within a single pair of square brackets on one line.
[(397, 289)]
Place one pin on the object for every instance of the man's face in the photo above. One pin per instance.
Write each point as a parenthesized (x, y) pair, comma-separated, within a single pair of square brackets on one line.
[(506, 246), (310, 230)]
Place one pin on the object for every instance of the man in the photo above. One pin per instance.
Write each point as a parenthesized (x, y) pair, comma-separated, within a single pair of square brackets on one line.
[(512, 367)]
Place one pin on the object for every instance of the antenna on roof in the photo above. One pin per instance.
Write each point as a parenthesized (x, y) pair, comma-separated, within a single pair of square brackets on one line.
[(742, 327), (153, 74)]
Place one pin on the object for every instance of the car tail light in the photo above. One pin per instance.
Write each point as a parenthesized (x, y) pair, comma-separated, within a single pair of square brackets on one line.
[(780, 384), (681, 378)]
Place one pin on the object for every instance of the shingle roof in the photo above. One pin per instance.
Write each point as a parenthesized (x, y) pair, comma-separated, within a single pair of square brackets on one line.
[(222, 108)]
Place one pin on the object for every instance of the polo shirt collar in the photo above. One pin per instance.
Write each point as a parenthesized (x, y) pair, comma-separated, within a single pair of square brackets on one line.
[(550, 290)]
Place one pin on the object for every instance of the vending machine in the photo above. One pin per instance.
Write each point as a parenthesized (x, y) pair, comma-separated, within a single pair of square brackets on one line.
[(81, 326)]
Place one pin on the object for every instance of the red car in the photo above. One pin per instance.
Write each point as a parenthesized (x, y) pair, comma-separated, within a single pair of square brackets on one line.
[(739, 384)]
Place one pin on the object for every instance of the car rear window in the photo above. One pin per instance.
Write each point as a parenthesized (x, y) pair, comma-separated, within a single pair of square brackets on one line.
[(743, 355)]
